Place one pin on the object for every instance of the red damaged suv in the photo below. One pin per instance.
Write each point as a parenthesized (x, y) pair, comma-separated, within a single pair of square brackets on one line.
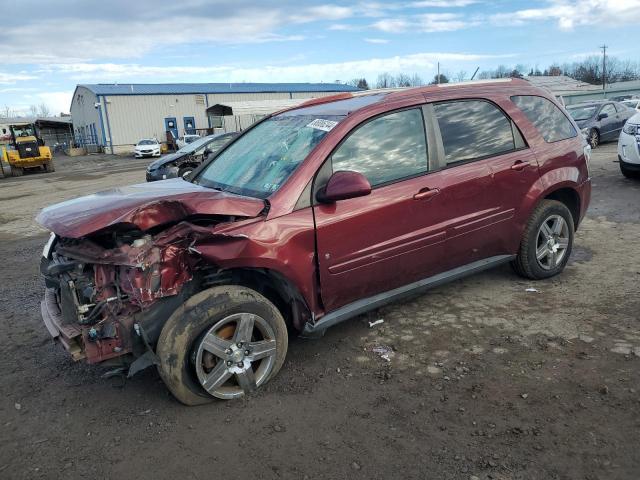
[(312, 216)]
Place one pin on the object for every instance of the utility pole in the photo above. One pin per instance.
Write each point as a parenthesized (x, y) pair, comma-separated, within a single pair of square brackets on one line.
[(604, 66), (438, 77)]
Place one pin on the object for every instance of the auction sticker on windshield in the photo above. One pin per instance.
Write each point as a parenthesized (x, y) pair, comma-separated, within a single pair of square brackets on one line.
[(324, 125)]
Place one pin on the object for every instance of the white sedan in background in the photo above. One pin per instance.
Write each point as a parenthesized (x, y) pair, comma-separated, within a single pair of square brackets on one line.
[(629, 148), (147, 147)]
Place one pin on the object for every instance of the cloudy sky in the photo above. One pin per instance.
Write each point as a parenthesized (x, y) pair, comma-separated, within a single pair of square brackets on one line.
[(52, 46)]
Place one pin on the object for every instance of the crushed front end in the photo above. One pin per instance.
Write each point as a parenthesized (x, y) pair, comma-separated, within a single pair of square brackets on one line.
[(108, 296)]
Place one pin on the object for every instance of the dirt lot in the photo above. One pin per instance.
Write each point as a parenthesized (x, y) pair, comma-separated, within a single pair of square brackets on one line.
[(484, 380)]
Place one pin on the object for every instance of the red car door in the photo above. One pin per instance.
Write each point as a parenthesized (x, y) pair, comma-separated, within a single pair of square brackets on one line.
[(478, 143), (394, 235)]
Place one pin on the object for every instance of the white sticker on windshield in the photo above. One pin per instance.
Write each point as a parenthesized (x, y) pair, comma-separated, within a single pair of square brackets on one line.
[(324, 125)]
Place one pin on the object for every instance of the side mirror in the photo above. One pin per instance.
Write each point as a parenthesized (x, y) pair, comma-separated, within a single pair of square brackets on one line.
[(343, 185), (603, 116)]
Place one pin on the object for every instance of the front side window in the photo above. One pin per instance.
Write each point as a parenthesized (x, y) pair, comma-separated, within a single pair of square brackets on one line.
[(608, 109), (548, 119), (473, 129), (385, 149), (262, 159)]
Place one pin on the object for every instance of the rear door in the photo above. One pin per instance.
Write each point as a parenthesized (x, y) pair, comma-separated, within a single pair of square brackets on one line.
[(487, 172), (393, 236)]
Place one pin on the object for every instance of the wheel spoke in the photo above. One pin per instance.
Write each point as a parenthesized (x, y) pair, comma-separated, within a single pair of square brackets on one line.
[(246, 380), (216, 377), (216, 345), (558, 223), (542, 252), (245, 328), (553, 261), (563, 243), (262, 349), (548, 232)]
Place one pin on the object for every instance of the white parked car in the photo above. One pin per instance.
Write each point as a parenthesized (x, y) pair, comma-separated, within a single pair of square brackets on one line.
[(633, 104), (147, 147), (185, 139), (629, 148)]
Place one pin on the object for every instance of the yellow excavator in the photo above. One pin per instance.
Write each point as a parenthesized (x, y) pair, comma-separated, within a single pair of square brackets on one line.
[(26, 150)]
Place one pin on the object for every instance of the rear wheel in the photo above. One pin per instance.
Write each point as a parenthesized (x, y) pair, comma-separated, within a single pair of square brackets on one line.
[(222, 343), (547, 241), (593, 138)]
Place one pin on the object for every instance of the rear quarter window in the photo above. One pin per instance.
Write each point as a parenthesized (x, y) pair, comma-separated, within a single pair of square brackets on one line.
[(548, 119)]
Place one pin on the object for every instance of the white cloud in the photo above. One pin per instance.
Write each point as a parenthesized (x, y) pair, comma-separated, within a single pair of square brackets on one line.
[(428, 22), (82, 38), (310, 72), (443, 3), (392, 25), (10, 78), (569, 14), (376, 40), (56, 101)]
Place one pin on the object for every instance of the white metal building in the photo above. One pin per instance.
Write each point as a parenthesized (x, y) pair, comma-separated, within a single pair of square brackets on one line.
[(117, 116)]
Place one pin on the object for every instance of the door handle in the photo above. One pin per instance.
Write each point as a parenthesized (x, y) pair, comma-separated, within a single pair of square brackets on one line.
[(519, 165), (426, 193)]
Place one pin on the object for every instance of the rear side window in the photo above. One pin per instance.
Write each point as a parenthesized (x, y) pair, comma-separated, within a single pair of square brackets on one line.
[(548, 119), (473, 129), (385, 149)]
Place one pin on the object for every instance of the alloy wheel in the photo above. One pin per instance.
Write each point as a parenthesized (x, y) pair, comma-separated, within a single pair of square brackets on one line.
[(235, 356), (552, 242), (593, 139)]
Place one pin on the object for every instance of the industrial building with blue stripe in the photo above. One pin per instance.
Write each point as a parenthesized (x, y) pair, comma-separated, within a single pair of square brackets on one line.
[(114, 117)]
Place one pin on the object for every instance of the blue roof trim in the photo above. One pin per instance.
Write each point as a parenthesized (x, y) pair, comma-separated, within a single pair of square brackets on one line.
[(204, 88)]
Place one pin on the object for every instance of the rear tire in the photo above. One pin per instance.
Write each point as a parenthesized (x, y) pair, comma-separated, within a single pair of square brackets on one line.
[(593, 138), (546, 242), (212, 318)]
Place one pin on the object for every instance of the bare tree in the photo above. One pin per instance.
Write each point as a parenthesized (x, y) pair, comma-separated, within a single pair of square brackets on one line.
[(360, 83), (385, 80), (460, 76), (33, 110), (7, 112), (403, 80), (416, 80), (43, 110)]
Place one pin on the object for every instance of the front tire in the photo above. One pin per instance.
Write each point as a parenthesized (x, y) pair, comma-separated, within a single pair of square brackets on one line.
[(222, 343), (594, 138), (546, 242)]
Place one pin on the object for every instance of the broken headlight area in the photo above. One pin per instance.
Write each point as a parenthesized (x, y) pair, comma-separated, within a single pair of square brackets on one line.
[(104, 291)]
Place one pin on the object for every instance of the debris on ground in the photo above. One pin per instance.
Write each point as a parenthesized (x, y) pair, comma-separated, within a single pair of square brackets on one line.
[(384, 352), (531, 289), (377, 322)]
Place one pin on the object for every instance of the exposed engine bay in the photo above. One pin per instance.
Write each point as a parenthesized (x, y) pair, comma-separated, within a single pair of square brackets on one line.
[(102, 289)]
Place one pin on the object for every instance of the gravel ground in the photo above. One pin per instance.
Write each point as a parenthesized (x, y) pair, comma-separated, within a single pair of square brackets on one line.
[(484, 379)]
